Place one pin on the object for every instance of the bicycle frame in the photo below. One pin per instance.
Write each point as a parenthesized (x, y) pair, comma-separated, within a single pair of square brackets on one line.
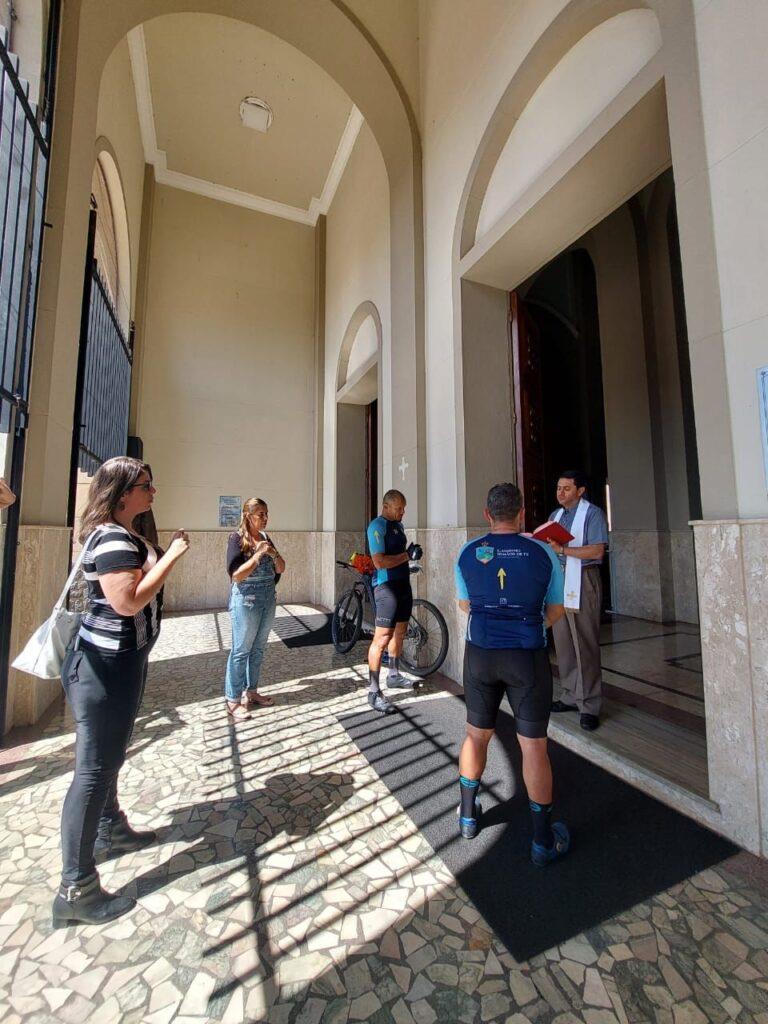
[(364, 584)]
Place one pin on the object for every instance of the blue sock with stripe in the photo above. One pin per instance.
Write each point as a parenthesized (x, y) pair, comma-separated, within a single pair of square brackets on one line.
[(542, 829), (469, 789)]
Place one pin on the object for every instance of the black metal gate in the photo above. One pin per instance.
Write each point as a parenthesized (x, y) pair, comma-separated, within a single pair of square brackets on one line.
[(25, 133), (103, 376)]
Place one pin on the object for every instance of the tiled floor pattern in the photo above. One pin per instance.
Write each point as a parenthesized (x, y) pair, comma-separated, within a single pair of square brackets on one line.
[(289, 886)]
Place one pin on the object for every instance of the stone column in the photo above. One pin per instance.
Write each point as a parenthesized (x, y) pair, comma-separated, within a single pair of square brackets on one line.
[(717, 86)]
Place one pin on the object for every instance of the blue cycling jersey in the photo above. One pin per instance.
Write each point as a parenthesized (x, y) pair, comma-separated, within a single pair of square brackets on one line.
[(507, 580), (387, 537)]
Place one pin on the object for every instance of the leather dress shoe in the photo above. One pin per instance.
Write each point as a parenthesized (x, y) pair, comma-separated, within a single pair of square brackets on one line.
[(589, 722)]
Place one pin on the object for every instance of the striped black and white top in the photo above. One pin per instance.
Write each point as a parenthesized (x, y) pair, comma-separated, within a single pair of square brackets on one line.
[(102, 628)]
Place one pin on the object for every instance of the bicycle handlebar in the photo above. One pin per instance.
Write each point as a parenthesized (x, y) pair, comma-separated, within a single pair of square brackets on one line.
[(412, 569)]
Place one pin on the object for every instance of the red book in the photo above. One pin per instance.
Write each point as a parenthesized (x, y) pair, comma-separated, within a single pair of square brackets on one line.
[(552, 531)]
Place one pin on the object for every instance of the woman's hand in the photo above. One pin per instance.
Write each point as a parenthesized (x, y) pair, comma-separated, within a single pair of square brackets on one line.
[(261, 549), (179, 544)]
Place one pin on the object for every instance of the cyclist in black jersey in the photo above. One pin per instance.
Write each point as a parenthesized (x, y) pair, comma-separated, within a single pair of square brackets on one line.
[(391, 554)]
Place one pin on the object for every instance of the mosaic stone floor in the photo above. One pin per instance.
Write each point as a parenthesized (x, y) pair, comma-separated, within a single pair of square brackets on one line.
[(289, 886)]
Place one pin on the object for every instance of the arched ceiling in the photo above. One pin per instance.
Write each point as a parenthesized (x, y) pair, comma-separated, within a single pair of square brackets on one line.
[(191, 73)]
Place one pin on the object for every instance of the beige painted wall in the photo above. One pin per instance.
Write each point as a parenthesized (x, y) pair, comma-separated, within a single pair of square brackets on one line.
[(469, 55), (350, 468), (627, 417), (357, 271), (487, 393), (733, 79), (28, 38), (118, 122), (226, 401), (593, 72), (395, 26), (340, 43)]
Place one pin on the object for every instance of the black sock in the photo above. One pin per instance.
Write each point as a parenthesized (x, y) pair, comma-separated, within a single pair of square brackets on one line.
[(542, 830), (468, 789), (393, 666), (373, 681)]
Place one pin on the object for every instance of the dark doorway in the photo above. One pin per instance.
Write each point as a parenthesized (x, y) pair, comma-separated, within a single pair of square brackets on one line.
[(560, 419), (561, 422), (371, 461)]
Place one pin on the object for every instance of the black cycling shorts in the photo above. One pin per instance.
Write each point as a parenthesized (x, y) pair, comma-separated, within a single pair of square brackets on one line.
[(525, 677), (394, 602)]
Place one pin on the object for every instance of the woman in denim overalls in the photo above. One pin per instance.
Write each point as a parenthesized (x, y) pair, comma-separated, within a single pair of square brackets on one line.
[(254, 566)]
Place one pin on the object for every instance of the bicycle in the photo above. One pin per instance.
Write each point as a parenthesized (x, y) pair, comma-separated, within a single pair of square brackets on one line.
[(426, 641)]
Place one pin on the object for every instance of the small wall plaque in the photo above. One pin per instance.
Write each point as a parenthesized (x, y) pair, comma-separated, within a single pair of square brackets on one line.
[(230, 507), (762, 400)]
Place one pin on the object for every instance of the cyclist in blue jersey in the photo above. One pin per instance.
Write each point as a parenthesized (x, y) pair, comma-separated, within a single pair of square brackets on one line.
[(391, 554), (511, 588)]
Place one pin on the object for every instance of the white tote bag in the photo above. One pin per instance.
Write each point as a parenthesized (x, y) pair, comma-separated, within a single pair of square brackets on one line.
[(45, 650)]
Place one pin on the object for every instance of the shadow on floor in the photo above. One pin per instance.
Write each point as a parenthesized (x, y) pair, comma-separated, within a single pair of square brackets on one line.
[(151, 726), (219, 831), (626, 846)]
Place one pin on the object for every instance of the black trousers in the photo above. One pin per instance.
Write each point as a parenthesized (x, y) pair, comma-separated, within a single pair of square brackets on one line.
[(104, 692)]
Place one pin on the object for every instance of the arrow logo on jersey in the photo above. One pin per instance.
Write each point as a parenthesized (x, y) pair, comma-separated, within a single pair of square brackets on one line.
[(502, 576)]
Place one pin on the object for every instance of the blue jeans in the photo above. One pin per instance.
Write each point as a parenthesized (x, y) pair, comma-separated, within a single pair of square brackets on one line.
[(252, 610)]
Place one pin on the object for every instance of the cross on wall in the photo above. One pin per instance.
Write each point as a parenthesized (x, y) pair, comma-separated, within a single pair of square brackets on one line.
[(402, 467)]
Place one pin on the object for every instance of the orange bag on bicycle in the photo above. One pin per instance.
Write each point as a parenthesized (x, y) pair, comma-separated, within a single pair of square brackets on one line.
[(363, 563)]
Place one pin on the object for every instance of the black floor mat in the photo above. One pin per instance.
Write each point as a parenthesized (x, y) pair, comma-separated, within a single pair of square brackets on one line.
[(626, 846), (304, 630)]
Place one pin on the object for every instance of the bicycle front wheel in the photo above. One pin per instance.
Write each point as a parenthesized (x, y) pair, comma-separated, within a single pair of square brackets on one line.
[(426, 641), (347, 621)]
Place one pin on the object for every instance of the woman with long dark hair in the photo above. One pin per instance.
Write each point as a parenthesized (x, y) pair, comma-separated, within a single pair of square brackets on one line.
[(254, 566), (104, 675)]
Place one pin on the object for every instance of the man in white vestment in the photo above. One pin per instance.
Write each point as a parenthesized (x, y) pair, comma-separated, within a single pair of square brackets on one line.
[(577, 634)]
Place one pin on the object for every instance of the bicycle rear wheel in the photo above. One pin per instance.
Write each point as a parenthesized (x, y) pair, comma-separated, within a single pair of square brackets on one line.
[(347, 621), (426, 642)]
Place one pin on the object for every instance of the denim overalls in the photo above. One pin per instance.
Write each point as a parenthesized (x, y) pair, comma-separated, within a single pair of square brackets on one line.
[(252, 605)]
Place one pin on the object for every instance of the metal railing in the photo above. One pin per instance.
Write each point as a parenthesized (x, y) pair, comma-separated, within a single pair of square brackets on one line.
[(24, 156), (106, 387), (25, 133)]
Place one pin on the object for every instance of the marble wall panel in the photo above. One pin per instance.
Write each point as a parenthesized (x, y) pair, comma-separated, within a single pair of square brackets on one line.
[(635, 574), (754, 546), (327, 569), (732, 748), (298, 583), (441, 549), (200, 579), (42, 563), (346, 541), (684, 576), (332, 580)]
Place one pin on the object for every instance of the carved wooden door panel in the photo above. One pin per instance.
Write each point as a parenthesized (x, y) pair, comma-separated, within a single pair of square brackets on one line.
[(529, 440)]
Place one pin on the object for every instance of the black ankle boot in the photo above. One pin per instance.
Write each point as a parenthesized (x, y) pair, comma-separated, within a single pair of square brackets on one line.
[(116, 836), (87, 903)]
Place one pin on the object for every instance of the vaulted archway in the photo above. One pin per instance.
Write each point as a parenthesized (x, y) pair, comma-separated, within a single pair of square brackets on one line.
[(330, 35)]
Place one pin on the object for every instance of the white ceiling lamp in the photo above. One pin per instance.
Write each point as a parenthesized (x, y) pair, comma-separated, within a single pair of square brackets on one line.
[(256, 114)]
